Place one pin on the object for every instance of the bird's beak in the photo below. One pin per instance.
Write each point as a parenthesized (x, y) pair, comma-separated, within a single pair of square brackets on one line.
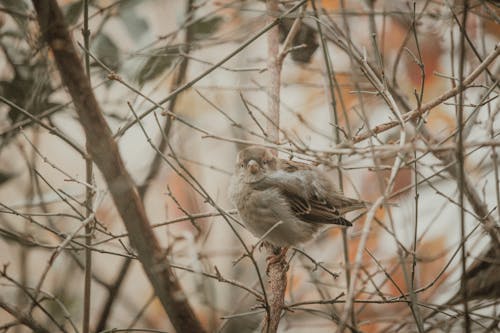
[(253, 167)]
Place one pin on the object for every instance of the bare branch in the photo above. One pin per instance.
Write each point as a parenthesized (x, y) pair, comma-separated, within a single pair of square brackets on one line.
[(105, 153)]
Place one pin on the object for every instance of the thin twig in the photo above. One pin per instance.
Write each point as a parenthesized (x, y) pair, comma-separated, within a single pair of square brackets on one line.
[(461, 168)]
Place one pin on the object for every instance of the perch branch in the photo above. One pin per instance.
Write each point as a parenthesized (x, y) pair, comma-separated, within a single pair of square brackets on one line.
[(276, 269)]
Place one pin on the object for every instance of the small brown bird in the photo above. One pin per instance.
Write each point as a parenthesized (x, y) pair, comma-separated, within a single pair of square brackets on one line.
[(483, 277), (267, 190)]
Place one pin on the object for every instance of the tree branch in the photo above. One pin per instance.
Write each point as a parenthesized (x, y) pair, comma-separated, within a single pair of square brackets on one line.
[(419, 111), (276, 269), (104, 152), (24, 317)]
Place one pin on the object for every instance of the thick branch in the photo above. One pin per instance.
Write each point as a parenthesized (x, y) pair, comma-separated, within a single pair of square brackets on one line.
[(24, 317), (276, 268), (277, 280), (104, 152)]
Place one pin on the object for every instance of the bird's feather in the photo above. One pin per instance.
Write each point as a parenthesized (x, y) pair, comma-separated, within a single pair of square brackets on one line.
[(320, 204), (315, 211)]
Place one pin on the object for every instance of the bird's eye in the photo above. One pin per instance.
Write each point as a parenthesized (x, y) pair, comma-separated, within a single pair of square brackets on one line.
[(242, 165), (264, 162)]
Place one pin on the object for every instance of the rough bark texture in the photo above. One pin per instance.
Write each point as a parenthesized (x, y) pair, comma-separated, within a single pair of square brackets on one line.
[(278, 266), (277, 280), (104, 152)]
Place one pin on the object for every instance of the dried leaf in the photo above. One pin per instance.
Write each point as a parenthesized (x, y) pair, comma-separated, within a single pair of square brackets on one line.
[(156, 64), (136, 26), (204, 28), (106, 50)]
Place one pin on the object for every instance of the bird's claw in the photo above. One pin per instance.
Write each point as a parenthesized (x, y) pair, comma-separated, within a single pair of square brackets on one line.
[(279, 257)]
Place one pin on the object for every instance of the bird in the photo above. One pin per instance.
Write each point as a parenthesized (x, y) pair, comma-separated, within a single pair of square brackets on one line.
[(482, 280), (287, 203), (482, 277)]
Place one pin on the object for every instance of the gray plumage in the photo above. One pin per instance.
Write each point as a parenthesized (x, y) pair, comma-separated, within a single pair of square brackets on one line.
[(266, 190)]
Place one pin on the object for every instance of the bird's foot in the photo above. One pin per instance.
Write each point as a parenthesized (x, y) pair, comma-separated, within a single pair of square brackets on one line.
[(279, 253), (278, 256)]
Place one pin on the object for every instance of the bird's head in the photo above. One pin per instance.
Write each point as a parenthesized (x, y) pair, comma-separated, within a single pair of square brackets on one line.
[(254, 162)]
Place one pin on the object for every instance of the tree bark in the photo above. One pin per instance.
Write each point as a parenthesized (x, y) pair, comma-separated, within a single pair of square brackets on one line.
[(277, 267)]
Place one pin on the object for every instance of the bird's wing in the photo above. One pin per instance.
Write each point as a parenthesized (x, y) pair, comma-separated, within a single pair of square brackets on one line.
[(327, 194), (345, 204), (314, 210), (309, 200)]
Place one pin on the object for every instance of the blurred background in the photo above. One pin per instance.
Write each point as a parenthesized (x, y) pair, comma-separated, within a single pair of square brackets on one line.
[(351, 71)]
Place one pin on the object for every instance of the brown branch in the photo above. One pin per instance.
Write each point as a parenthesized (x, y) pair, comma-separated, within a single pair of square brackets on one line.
[(274, 74), (418, 112), (413, 115), (23, 317), (447, 158), (113, 291), (104, 152), (461, 170), (277, 280), (276, 269), (89, 193)]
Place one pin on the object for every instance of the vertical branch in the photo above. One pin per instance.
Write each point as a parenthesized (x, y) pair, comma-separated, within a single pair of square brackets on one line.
[(88, 191), (348, 269), (415, 310), (461, 162), (274, 74), (277, 268), (332, 103), (24, 269), (397, 163)]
